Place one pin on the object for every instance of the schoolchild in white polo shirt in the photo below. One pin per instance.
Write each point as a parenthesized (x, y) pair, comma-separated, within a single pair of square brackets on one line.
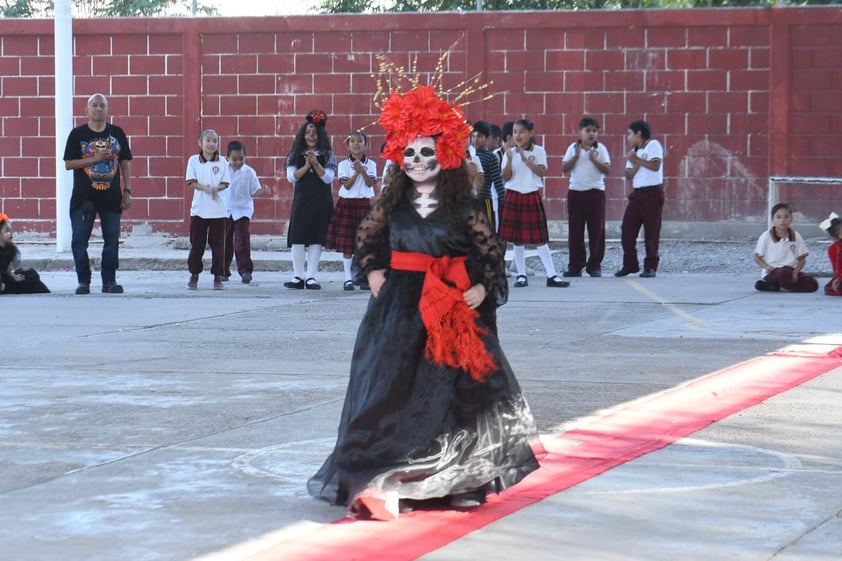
[(781, 253), (207, 174), (239, 198), (523, 220), (587, 161), (645, 167)]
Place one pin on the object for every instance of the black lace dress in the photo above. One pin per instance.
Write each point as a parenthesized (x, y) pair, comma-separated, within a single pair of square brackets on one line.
[(31, 283), (407, 425)]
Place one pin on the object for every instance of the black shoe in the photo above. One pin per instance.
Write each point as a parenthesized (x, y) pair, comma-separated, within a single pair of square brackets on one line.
[(766, 286), (111, 287), (311, 284), (521, 281), (297, 284), (594, 272), (226, 278), (349, 285), (556, 282), (572, 273), (246, 277), (647, 274), (626, 271), (83, 289), (468, 500), (365, 286)]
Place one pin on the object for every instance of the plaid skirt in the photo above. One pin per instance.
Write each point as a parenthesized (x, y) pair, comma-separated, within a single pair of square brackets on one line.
[(523, 220), (342, 230)]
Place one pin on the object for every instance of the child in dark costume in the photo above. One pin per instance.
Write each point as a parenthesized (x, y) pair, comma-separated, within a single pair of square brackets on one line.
[(433, 412), (13, 278)]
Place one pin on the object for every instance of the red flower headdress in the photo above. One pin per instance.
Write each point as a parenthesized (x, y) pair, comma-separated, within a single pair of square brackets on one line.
[(317, 117), (4, 217), (422, 111)]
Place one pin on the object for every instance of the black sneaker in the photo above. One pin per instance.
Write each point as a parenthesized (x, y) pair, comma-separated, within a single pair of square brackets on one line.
[(647, 274), (594, 272), (111, 287), (83, 289), (764, 286), (572, 273), (246, 277)]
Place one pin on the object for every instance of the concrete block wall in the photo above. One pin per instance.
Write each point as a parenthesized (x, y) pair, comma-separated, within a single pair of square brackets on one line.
[(735, 95)]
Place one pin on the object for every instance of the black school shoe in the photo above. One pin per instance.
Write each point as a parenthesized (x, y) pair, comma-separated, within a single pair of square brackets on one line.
[(626, 271), (594, 272), (521, 281), (297, 284), (647, 274), (83, 289), (311, 284), (572, 273), (764, 286), (111, 287), (556, 282)]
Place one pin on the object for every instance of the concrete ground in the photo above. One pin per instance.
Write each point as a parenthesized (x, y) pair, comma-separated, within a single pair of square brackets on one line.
[(166, 424)]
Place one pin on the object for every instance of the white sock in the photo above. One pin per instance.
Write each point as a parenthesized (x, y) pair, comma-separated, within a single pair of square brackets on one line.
[(298, 253), (314, 254), (546, 259), (520, 260), (346, 266)]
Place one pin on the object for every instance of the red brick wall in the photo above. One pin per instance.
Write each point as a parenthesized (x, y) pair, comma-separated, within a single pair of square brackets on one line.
[(735, 95)]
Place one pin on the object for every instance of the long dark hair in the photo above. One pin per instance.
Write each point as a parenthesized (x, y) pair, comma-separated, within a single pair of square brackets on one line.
[(299, 145), (530, 126), (453, 187)]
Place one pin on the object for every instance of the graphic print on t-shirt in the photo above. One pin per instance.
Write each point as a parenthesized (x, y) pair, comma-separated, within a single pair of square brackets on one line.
[(101, 173)]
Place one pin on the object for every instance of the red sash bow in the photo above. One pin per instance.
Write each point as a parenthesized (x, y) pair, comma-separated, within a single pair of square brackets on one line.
[(452, 330)]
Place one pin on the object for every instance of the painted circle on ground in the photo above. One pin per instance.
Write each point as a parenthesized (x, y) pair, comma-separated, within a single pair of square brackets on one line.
[(692, 464)]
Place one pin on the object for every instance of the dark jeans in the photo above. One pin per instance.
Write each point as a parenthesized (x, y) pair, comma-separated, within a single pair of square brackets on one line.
[(586, 209), (238, 243), (645, 208), (207, 231), (109, 222)]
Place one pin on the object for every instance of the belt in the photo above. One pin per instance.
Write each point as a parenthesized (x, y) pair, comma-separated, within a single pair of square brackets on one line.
[(452, 331)]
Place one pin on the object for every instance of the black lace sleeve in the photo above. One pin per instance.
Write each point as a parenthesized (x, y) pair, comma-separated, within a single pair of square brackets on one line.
[(488, 256), (373, 250)]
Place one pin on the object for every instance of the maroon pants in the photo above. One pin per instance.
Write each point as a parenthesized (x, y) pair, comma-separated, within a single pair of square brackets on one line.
[(238, 243), (207, 231), (645, 208), (782, 276), (586, 209)]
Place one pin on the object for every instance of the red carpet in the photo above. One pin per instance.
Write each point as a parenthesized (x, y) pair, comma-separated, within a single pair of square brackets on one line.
[(572, 457)]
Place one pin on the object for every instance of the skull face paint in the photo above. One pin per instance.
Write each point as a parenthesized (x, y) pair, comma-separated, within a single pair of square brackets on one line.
[(419, 159)]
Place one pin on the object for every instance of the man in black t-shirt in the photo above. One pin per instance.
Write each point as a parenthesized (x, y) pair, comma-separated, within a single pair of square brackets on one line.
[(99, 155)]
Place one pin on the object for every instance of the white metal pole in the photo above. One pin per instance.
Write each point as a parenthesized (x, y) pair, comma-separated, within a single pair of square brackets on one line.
[(64, 118)]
